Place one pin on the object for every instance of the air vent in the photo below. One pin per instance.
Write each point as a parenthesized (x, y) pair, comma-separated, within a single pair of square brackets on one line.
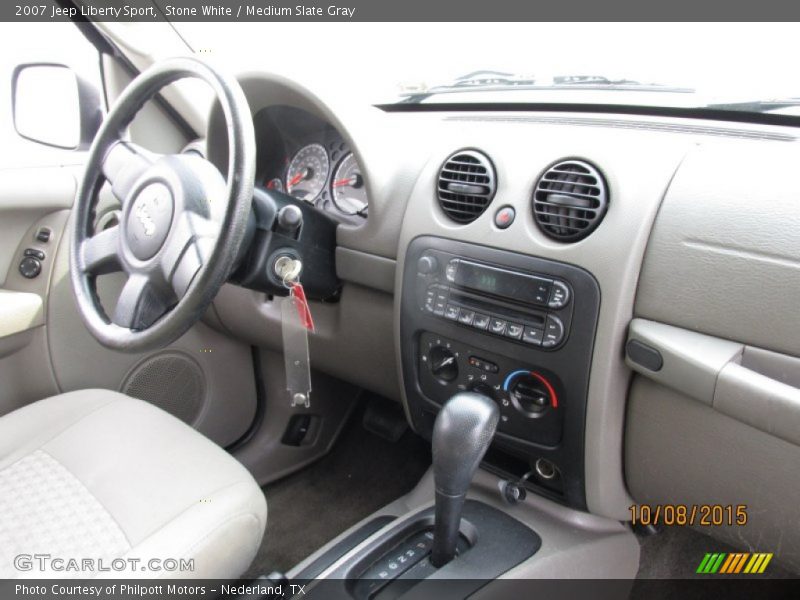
[(570, 200), (466, 185)]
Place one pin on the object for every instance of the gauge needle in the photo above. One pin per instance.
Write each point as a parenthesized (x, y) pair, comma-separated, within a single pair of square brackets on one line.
[(297, 178), (342, 182)]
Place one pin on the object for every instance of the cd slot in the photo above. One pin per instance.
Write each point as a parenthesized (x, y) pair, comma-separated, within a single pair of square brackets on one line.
[(493, 306)]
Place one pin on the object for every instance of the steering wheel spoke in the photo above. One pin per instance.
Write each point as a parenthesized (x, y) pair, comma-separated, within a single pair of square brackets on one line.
[(191, 247), (196, 255), (122, 166), (141, 303), (99, 254)]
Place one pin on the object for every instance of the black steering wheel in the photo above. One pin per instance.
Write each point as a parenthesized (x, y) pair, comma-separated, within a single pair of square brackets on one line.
[(181, 224)]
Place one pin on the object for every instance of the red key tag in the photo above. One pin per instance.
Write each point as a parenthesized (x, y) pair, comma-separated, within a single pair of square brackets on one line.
[(296, 291)]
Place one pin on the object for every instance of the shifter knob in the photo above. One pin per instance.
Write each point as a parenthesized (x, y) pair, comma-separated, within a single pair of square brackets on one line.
[(461, 435)]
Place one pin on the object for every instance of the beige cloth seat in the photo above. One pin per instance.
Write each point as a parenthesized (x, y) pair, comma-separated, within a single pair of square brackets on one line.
[(101, 476)]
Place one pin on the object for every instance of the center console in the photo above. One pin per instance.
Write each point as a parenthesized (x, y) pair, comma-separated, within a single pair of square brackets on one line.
[(512, 327), (457, 539), (496, 349)]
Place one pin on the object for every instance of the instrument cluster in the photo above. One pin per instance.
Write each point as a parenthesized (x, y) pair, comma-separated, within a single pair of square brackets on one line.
[(305, 157)]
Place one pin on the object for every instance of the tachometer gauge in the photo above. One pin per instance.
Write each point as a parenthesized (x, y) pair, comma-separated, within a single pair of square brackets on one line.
[(349, 192), (308, 172)]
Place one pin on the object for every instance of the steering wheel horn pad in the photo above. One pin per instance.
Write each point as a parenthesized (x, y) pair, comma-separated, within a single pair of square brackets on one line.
[(181, 226), (149, 220)]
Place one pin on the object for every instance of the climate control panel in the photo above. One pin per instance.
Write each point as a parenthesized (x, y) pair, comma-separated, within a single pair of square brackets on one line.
[(527, 395)]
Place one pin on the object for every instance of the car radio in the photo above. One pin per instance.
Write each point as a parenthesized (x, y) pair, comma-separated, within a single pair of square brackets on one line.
[(520, 306), (516, 328)]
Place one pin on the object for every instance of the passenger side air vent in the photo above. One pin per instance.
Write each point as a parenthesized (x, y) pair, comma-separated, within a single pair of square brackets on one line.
[(570, 200), (466, 186)]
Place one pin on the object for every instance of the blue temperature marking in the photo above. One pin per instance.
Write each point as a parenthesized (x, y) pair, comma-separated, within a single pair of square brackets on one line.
[(511, 376)]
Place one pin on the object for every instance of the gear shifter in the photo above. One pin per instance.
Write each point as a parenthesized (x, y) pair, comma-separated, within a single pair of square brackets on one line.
[(461, 436)]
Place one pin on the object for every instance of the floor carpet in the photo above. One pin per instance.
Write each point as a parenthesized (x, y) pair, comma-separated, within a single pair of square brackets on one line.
[(361, 474)]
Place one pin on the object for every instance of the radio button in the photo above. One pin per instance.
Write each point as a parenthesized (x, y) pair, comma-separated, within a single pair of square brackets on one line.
[(430, 299), (439, 304), (533, 336), (465, 316), (497, 326), (514, 331), (542, 292), (553, 332), (450, 270), (451, 312), (559, 295), (481, 321)]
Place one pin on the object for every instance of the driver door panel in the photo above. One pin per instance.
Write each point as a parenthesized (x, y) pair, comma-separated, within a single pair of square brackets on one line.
[(32, 200), (205, 378)]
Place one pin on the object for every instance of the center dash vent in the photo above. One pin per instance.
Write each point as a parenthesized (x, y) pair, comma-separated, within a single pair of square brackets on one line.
[(466, 185), (570, 200)]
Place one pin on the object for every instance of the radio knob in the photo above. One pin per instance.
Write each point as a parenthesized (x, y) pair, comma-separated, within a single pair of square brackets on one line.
[(427, 264)]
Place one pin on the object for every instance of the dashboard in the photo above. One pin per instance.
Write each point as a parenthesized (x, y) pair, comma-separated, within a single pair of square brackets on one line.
[(600, 220), (304, 156)]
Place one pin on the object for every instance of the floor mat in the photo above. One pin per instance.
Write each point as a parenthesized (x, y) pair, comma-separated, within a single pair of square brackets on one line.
[(362, 473)]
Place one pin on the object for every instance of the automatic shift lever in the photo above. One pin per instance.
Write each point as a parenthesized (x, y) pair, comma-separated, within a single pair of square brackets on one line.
[(461, 436)]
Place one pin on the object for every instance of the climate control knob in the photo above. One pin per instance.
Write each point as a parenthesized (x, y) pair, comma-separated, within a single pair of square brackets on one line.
[(530, 393), (444, 364)]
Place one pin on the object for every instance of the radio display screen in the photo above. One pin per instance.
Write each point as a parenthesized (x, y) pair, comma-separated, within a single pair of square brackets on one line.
[(500, 282)]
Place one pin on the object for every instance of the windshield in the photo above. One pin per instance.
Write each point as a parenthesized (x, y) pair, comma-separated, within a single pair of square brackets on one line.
[(736, 66)]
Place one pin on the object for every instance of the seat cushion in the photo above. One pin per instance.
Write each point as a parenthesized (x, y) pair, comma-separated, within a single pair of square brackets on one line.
[(98, 475)]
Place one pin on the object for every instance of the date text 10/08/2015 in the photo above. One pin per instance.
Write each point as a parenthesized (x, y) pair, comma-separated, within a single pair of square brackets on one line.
[(703, 515)]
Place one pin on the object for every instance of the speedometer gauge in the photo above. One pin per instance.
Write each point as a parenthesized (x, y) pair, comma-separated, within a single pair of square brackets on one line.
[(308, 172), (349, 193)]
